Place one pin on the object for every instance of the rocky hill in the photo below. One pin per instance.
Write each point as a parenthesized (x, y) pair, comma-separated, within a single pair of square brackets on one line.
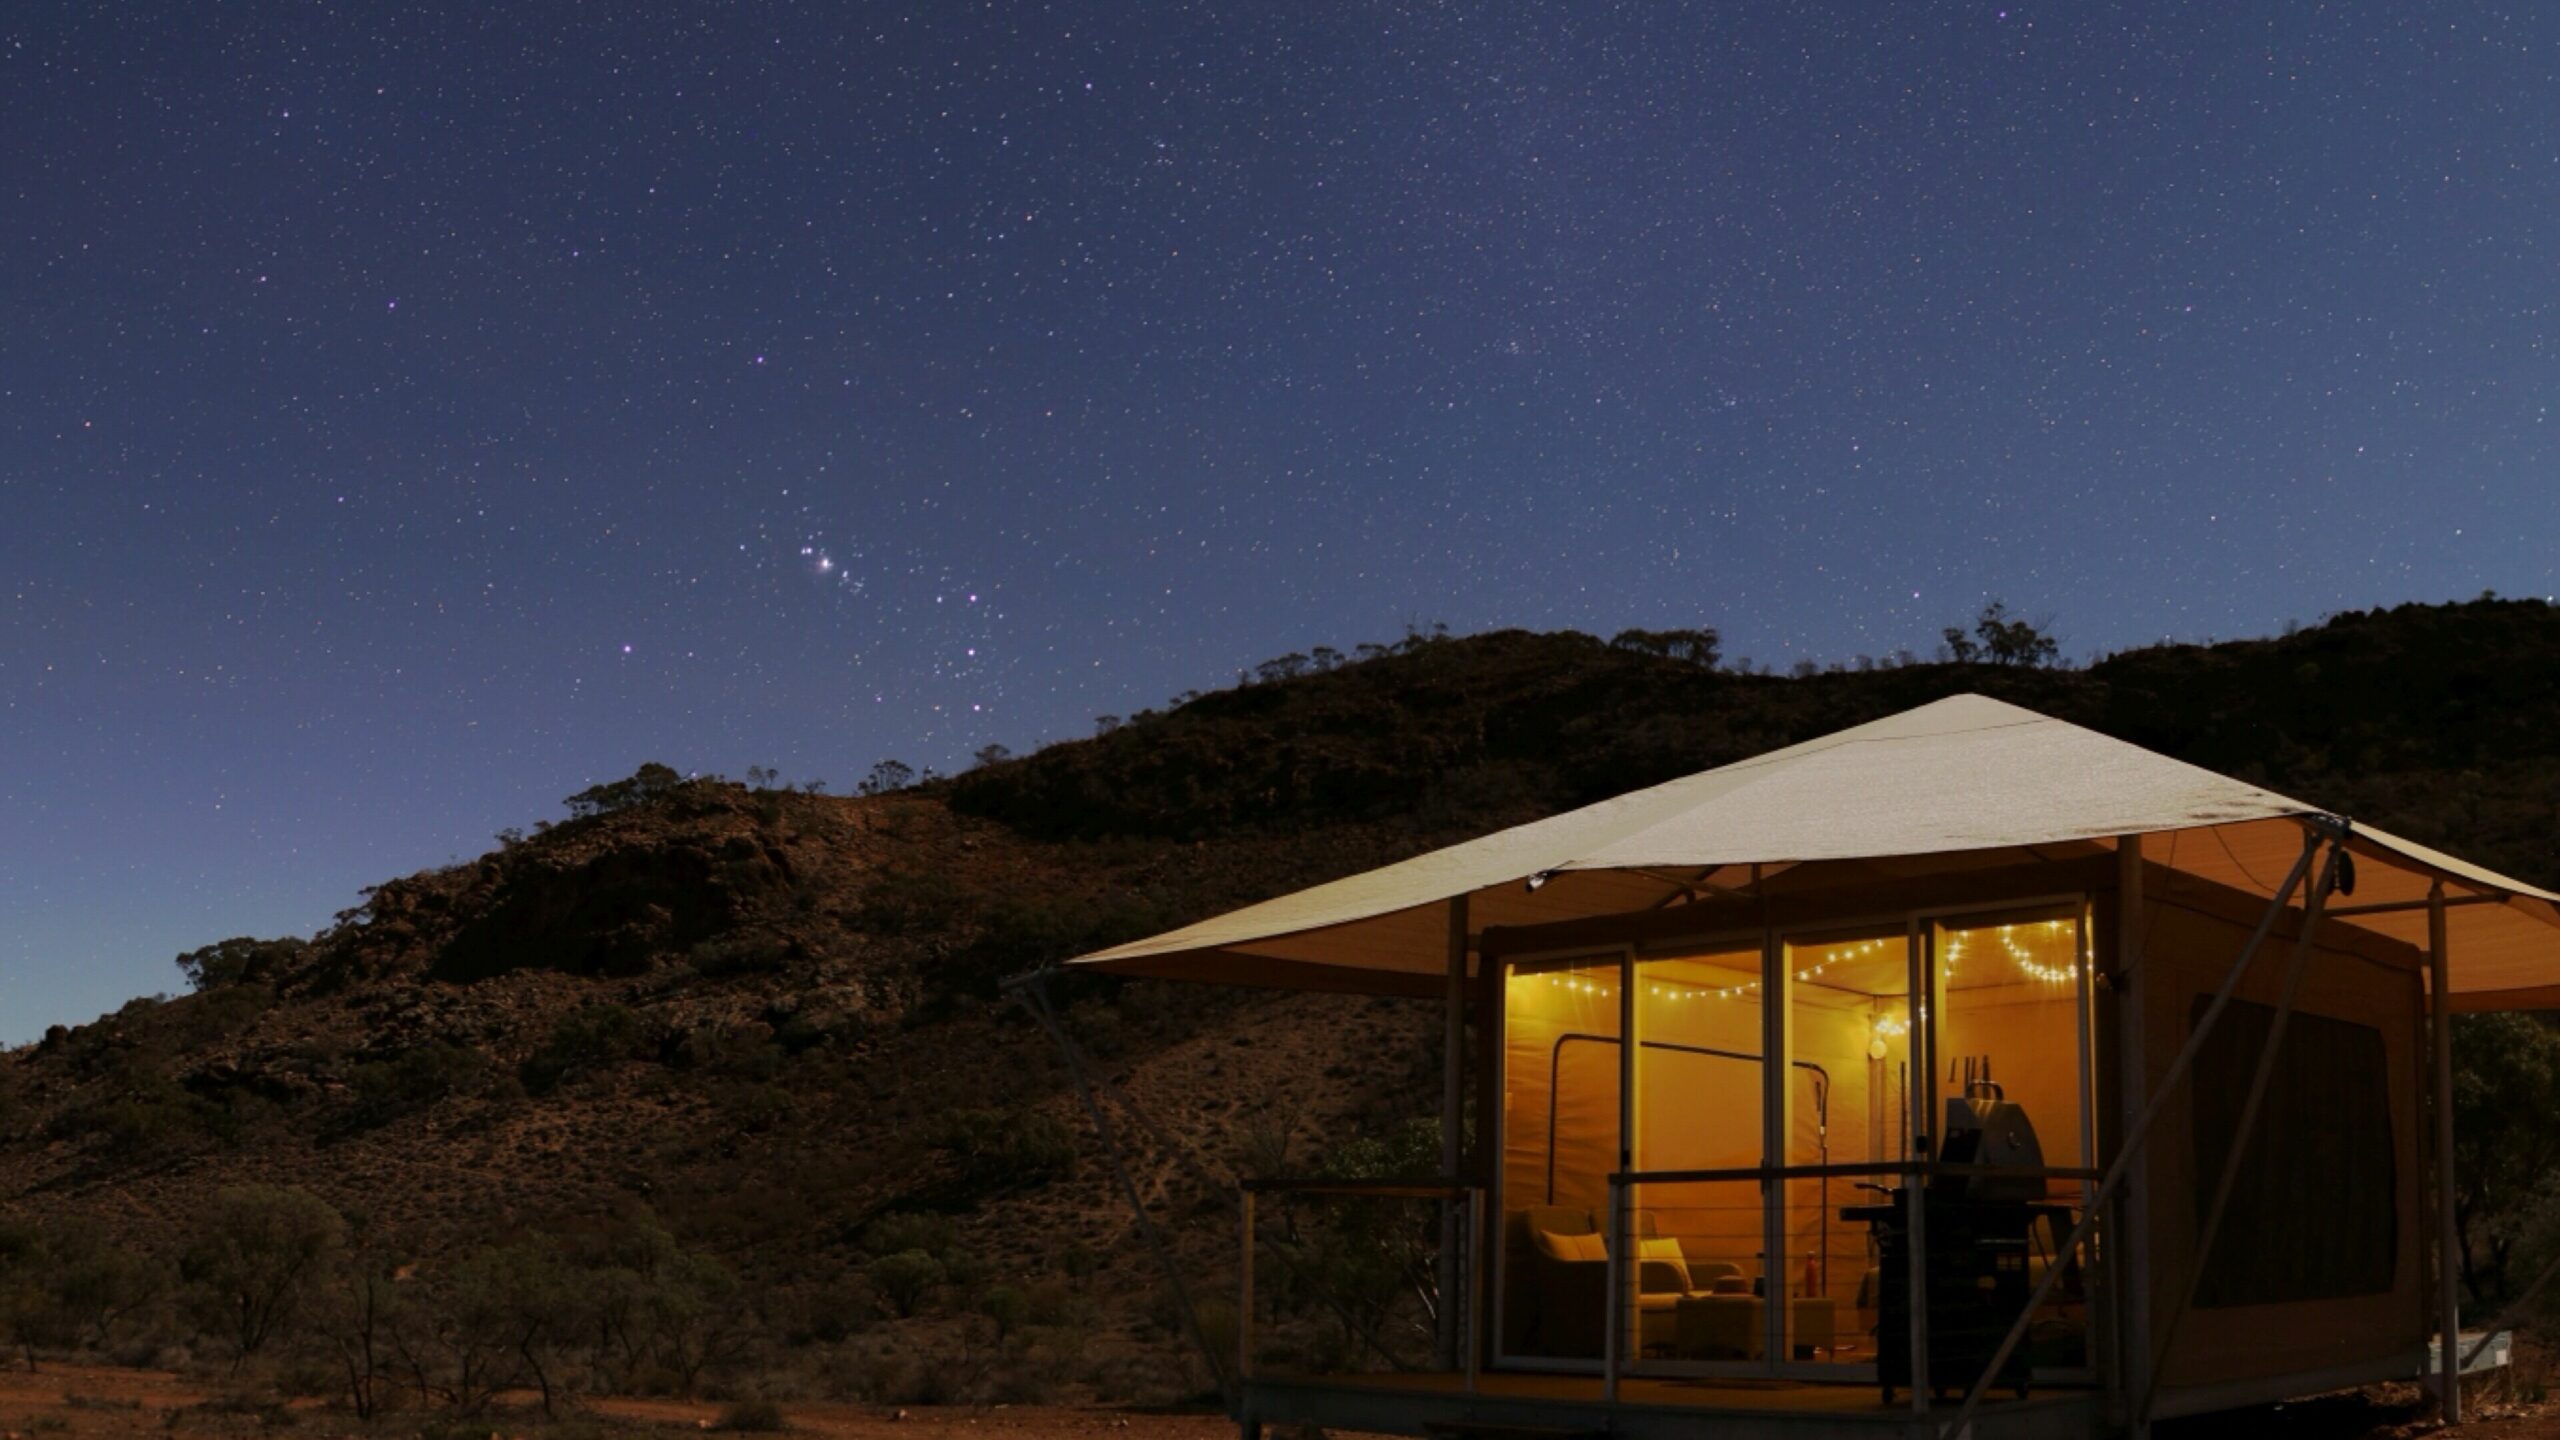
[(771, 1017)]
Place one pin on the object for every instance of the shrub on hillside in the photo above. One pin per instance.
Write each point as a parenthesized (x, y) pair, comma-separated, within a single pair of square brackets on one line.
[(2000, 638), (143, 1114), (415, 1079), (998, 1150), (639, 787), (1022, 933), (66, 1283), (256, 1254), (1701, 647), (911, 902), (240, 960), (513, 1310), (585, 1039), (935, 1235), (738, 954), (2506, 1087), (906, 1279)]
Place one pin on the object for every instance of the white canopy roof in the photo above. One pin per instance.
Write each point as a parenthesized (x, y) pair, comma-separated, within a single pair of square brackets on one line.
[(1967, 774)]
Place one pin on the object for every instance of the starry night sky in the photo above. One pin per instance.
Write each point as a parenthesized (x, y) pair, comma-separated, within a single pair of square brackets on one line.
[(410, 414)]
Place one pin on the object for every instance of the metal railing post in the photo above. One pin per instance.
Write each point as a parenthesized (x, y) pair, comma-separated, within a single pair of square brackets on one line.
[(1915, 1196), (1613, 1337), (1475, 1288), (2440, 1097)]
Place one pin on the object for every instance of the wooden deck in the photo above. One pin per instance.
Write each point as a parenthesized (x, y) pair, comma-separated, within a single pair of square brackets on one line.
[(1572, 1405)]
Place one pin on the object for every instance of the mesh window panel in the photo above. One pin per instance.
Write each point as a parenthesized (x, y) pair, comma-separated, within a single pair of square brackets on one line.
[(2314, 1212)]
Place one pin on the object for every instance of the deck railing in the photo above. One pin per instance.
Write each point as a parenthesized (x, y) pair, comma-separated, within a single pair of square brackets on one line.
[(1473, 1304), (1915, 1175)]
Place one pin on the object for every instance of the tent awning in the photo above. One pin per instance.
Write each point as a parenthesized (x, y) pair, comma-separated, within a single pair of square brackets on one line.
[(1965, 775)]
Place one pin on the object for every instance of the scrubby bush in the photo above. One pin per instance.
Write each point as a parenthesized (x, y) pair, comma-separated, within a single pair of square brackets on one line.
[(738, 954), (1701, 647), (415, 1079), (215, 1014), (256, 1254), (514, 1309), (907, 902), (2000, 638), (2506, 1087), (935, 1235), (885, 777), (67, 1283), (639, 787), (1000, 1150), (363, 1323), (1005, 1307), (142, 1114), (906, 1279), (585, 1039), (1020, 933), (239, 961)]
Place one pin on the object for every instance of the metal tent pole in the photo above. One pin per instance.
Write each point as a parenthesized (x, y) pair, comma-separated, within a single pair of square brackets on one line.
[(2247, 1129), (1921, 971), (2313, 831), (2448, 1237), (2132, 1245), (1453, 1117)]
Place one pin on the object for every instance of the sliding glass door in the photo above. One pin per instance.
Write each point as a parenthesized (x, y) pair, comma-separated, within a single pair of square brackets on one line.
[(1784, 1078), (1561, 1120), (1700, 1246), (1850, 1104)]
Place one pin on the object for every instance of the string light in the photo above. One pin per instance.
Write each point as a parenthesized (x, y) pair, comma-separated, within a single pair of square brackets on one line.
[(1841, 954), (2020, 954), (1677, 991), (1577, 984)]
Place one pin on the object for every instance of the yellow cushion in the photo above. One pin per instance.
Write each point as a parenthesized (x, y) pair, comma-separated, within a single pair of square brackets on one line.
[(1572, 1246), (1668, 1252)]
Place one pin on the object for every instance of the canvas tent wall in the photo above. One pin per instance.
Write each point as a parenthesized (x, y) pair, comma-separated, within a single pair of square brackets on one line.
[(2320, 1271)]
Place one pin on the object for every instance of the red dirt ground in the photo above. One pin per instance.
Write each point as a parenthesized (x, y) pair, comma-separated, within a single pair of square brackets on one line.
[(86, 1402)]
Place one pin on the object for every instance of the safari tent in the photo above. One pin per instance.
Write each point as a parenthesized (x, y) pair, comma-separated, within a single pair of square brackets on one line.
[(2081, 1085)]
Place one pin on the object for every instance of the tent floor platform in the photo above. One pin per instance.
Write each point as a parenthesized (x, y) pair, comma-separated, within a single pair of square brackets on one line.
[(1558, 1406)]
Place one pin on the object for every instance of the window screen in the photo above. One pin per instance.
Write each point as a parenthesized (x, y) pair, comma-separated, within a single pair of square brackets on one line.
[(2314, 1212)]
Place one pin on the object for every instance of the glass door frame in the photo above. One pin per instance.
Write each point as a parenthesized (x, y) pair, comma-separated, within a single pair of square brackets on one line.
[(1730, 941), (1498, 1204), (2079, 911), (1919, 926)]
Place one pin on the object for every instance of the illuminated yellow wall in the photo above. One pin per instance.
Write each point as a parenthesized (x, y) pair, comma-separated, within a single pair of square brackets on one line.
[(1542, 1007)]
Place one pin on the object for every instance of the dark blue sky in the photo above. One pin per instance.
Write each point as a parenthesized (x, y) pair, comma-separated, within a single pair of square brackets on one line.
[(411, 414)]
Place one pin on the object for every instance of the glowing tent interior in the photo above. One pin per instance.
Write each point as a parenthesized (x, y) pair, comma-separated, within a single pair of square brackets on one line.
[(2131, 1065)]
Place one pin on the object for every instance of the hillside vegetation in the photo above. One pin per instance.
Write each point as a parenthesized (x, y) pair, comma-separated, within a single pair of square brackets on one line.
[(736, 1053)]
